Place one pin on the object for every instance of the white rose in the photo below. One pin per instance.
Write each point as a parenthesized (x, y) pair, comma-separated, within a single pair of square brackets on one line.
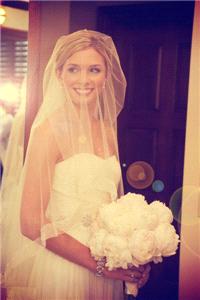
[(136, 200), (122, 226), (96, 243), (144, 219), (116, 219), (167, 239), (163, 212), (116, 251), (121, 260), (151, 219), (106, 215), (142, 245)]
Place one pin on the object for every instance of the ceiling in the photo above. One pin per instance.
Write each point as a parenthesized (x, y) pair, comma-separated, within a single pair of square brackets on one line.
[(16, 4)]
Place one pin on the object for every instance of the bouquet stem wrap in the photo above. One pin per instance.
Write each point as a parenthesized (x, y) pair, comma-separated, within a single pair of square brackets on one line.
[(131, 289)]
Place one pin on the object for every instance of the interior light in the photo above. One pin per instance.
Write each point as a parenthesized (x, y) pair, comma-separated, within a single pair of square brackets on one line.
[(2, 15), (9, 93)]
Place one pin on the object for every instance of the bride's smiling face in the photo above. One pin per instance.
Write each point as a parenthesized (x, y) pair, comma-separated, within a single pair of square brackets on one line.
[(83, 75)]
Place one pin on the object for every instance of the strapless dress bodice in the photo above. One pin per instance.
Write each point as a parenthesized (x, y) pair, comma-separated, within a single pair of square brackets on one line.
[(81, 184)]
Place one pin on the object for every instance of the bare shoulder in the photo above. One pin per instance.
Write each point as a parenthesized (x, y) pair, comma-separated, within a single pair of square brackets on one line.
[(43, 139), (53, 134)]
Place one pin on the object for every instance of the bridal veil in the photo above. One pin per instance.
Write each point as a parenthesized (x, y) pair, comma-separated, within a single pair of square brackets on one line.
[(82, 97)]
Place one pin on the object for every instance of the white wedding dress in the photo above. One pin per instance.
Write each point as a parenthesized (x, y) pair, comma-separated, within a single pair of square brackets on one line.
[(81, 184)]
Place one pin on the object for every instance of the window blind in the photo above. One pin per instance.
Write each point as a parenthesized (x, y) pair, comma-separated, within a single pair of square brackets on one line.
[(13, 58)]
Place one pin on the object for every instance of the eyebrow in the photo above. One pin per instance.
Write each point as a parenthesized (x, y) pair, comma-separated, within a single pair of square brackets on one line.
[(95, 65)]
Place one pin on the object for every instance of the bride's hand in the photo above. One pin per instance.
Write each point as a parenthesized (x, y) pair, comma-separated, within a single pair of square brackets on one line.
[(138, 275), (145, 275), (133, 275)]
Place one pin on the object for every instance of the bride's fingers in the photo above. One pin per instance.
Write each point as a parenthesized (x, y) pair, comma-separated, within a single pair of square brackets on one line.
[(132, 279), (143, 280), (147, 268), (133, 276), (146, 271), (126, 275), (143, 268), (141, 283), (139, 268), (134, 273)]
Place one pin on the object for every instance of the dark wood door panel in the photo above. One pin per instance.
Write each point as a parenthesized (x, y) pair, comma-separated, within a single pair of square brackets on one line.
[(146, 98), (138, 141), (182, 71)]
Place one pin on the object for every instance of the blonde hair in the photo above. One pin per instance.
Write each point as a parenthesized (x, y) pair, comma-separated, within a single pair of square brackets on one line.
[(83, 40)]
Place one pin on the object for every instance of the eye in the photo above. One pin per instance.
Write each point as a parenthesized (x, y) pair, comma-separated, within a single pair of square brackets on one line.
[(95, 70), (72, 69)]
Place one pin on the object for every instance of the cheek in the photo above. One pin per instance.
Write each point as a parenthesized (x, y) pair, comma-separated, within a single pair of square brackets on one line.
[(68, 81), (100, 82)]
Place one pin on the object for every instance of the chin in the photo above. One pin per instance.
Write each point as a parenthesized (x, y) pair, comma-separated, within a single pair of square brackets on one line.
[(82, 100)]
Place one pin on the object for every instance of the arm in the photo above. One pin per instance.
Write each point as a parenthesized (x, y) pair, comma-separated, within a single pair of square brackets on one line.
[(39, 169)]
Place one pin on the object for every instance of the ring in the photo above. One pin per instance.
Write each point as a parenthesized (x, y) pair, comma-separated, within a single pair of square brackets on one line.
[(132, 276)]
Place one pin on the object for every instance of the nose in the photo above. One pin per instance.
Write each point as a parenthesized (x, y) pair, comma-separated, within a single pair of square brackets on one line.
[(84, 77)]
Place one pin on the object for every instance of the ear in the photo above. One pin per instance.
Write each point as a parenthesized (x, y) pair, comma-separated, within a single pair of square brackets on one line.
[(59, 77), (59, 74)]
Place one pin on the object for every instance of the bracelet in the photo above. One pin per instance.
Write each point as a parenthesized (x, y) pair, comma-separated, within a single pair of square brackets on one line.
[(100, 266)]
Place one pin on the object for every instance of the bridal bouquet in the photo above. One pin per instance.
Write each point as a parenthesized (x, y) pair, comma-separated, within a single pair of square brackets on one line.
[(131, 232)]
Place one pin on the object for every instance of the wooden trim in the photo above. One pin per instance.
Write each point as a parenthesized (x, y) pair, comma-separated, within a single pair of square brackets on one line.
[(33, 80), (189, 280), (14, 32), (44, 30)]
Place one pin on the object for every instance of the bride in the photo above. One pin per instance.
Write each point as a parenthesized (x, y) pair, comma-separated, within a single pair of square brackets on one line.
[(71, 169)]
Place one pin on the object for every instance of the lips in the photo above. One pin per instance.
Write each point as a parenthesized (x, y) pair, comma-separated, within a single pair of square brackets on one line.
[(85, 91)]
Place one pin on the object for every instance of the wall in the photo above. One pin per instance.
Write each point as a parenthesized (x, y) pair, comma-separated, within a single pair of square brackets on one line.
[(190, 224)]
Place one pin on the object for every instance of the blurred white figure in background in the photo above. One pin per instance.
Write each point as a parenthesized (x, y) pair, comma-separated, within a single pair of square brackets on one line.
[(12, 100), (12, 168), (13, 156), (5, 127)]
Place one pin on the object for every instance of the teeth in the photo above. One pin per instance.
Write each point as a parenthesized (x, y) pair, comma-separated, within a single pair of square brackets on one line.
[(83, 91)]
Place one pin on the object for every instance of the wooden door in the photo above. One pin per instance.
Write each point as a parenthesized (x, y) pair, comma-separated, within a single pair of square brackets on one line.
[(153, 41)]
